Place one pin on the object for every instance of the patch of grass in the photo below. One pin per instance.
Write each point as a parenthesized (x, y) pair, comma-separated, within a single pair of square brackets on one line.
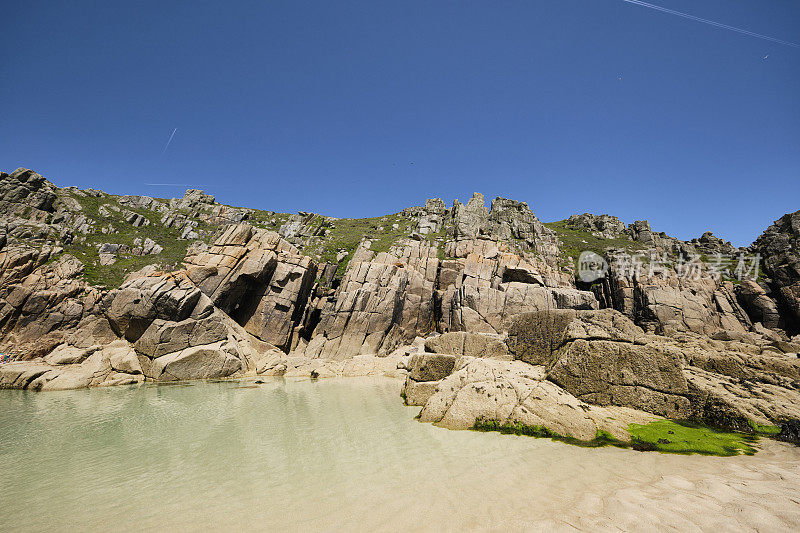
[(345, 234), (112, 276), (688, 438), (574, 241)]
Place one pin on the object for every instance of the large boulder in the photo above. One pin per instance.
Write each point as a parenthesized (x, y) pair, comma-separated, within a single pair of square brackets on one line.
[(512, 392), (138, 302)]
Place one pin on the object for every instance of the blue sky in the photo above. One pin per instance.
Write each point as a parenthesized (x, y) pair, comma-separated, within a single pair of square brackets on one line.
[(364, 108)]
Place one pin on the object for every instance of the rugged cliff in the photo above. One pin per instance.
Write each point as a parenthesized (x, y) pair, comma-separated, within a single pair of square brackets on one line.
[(481, 308)]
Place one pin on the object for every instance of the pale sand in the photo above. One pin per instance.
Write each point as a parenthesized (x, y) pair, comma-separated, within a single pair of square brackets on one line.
[(563, 488)]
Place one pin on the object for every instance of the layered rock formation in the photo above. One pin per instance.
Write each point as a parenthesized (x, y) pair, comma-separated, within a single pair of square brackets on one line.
[(478, 308)]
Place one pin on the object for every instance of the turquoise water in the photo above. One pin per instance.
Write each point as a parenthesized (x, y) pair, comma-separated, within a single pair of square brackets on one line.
[(319, 455)]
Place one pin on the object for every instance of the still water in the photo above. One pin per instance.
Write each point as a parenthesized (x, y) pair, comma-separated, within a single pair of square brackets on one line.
[(344, 454)]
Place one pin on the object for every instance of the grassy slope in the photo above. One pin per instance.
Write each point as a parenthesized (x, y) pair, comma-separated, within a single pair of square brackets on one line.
[(112, 275)]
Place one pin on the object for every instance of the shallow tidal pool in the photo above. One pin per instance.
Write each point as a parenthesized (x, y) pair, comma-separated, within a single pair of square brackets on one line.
[(346, 454)]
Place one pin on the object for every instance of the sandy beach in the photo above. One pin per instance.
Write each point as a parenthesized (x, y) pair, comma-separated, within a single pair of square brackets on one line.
[(345, 454)]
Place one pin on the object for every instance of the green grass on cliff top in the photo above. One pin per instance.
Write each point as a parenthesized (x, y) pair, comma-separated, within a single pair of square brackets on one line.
[(574, 241), (666, 436), (112, 276)]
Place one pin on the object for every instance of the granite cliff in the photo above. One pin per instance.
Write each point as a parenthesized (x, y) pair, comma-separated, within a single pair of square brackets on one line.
[(480, 309)]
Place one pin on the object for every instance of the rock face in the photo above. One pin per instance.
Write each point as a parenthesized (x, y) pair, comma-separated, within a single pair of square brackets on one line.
[(466, 343), (381, 303), (779, 246), (25, 187), (507, 220), (673, 297), (96, 366), (258, 279)]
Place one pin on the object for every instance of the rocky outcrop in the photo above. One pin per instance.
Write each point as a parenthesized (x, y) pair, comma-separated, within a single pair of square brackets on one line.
[(513, 392), (758, 301), (26, 188), (603, 358), (672, 296), (779, 248), (41, 301), (425, 370), (466, 343), (68, 367), (381, 303), (258, 279), (604, 226), (507, 220)]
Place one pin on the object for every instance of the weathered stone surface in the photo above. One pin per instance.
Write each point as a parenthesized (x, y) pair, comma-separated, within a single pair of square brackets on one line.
[(40, 302), (380, 304), (779, 247), (430, 366), (163, 336), (113, 364), (605, 226), (465, 343), (25, 187), (260, 280), (790, 431), (515, 392), (675, 298), (535, 337), (602, 358), (418, 392), (134, 306), (759, 304), (197, 362), (621, 373)]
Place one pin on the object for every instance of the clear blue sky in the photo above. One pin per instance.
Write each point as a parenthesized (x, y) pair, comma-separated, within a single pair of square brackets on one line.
[(324, 106)]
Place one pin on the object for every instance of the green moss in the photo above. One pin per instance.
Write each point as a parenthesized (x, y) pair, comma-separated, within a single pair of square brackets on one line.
[(765, 429), (666, 436), (602, 438), (688, 438)]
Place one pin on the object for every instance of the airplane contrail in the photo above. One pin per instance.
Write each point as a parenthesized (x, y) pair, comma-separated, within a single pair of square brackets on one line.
[(169, 141), (711, 22)]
